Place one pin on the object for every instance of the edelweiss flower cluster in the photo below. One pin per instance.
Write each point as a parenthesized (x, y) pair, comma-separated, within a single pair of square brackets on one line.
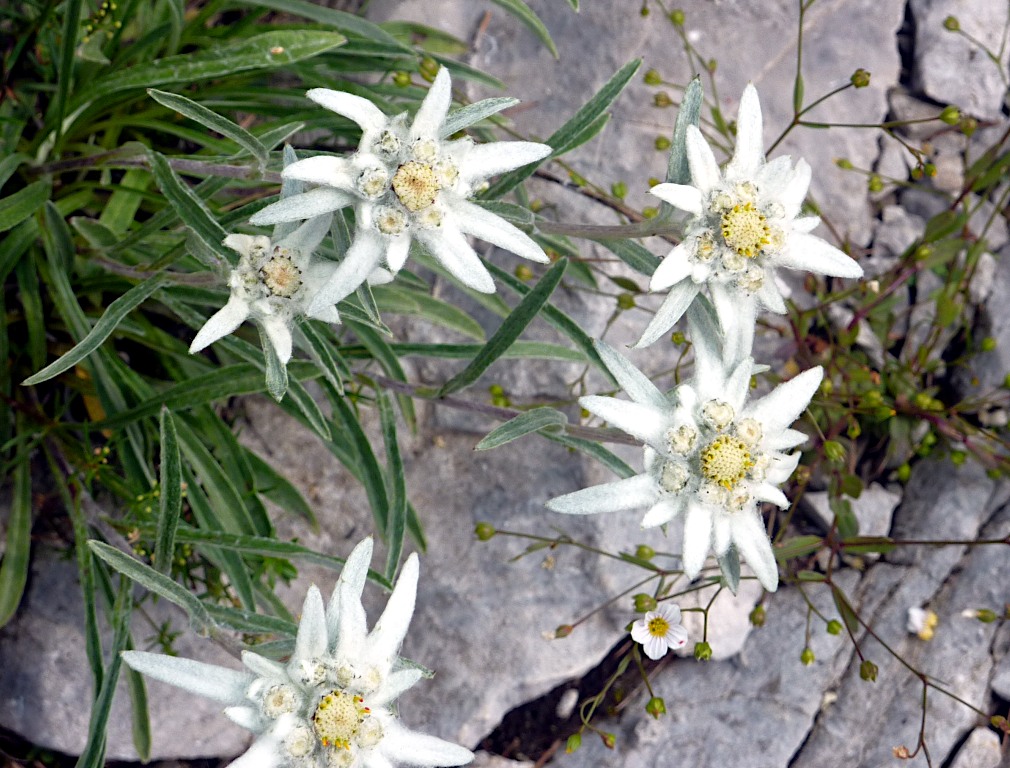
[(331, 704)]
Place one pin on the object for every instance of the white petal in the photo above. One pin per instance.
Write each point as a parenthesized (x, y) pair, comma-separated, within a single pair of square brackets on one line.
[(354, 574), (221, 323), (737, 386), (360, 110), (311, 640), (484, 225), (670, 612), (752, 542), (261, 666), (630, 379), (431, 114), (674, 267), (245, 717), (326, 170), (682, 196), (397, 251), (783, 405), (420, 749), (749, 150), (640, 631), (453, 252), (375, 759), (676, 303), (265, 752), (646, 422), (677, 636), (391, 628), (279, 334), (663, 512), (774, 176), (737, 313), (326, 314), (782, 466), (619, 496), (771, 494), (812, 254), (786, 439), (697, 538), (705, 172), (795, 191), (306, 239), (655, 647), (208, 680), (770, 296), (483, 161), (380, 276), (362, 257), (352, 628), (308, 205), (394, 685), (805, 224), (244, 244)]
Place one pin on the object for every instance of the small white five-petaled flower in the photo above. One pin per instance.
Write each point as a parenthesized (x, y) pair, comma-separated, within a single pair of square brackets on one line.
[(745, 224), (330, 705), (659, 631), (922, 622), (710, 454), (407, 183)]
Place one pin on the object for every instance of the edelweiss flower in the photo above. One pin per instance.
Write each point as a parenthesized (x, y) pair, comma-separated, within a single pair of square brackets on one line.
[(746, 223), (408, 183), (330, 705), (659, 631), (709, 453)]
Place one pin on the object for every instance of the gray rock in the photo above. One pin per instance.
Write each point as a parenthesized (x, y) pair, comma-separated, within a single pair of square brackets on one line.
[(981, 750), (1000, 682), (952, 69), (874, 509)]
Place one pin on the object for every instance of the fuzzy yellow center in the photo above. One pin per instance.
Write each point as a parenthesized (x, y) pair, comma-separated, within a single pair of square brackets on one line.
[(281, 276), (338, 718), (745, 230), (416, 185), (725, 461), (658, 626)]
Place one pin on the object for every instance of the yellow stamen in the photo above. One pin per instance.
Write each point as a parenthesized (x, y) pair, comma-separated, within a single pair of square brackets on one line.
[(725, 461), (745, 230)]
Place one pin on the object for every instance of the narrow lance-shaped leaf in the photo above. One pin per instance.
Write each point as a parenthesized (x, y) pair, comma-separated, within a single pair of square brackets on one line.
[(677, 169), (525, 14), (397, 488), (14, 566), (113, 316), (466, 116), (531, 421), (215, 122), (17, 207), (509, 330), (170, 495)]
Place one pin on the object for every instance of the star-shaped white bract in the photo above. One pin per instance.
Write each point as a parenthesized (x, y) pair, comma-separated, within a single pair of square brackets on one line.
[(659, 631), (710, 454), (330, 704), (745, 224), (408, 183)]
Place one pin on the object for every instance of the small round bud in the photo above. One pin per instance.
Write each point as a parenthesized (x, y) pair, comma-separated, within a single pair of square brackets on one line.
[(917, 173), (834, 627), (429, 68), (564, 630), (903, 473), (644, 552), (677, 17), (923, 252), (952, 24), (985, 615), (968, 126), (653, 181), (834, 450), (644, 11), (619, 190), (844, 163), (1000, 723), (644, 602), (609, 740), (807, 657), (875, 184), (951, 115), (853, 430), (650, 212), (678, 338), (663, 143), (868, 671), (662, 100), (401, 79), (656, 707), (712, 65), (930, 170), (860, 78), (524, 273), (757, 616), (484, 531), (702, 651), (573, 743), (988, 344), (958, 457), (625, 301), (652, 77)]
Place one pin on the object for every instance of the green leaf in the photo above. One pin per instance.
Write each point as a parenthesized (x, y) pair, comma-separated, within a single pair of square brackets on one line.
[(155, 582), (845, 518), (386, 357), (17, 207), (798, 546), (71, 28), (582, 121), (14, 566), (324, 354), (10, 164), (270, 50), (863, 544), (190, 208), (430, 308), (523, 424), (276, 371), (509, 331), (811, 576), (464, 117), (521, 11), (370, 472), (729, 565), (397, 492), (677, 169), (845, 608), (339, 20), (115, 313), (170, 495), (798, 93), (140, 720), (279, 490), (215, 122), (635, 255), (30, 295), (582, 136), (603, 455)]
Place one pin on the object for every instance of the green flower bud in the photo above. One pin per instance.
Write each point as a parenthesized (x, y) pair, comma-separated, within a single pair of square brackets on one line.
[(650, 212), (903, 473), (757, 616), (951, 115), (625, 301), (968, 126), (860, 78), (868, 671), (923, 252), (678, 338), (834, 450), (988, 344), (844, 163), (524, 273), (619, 190), (484, 531), (573, 743), (401, 79), (854, 430), (951, 24), (644, 552), (656, 707), (652, 77), (429, 68), (564, 631), (644, 602), (702, 651), (985, 615), (677, 17), (958, 457), (662, 99), (1000, 723), (609, 740), (807, 657), (663, 143), (875, 184), (834, 627)]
